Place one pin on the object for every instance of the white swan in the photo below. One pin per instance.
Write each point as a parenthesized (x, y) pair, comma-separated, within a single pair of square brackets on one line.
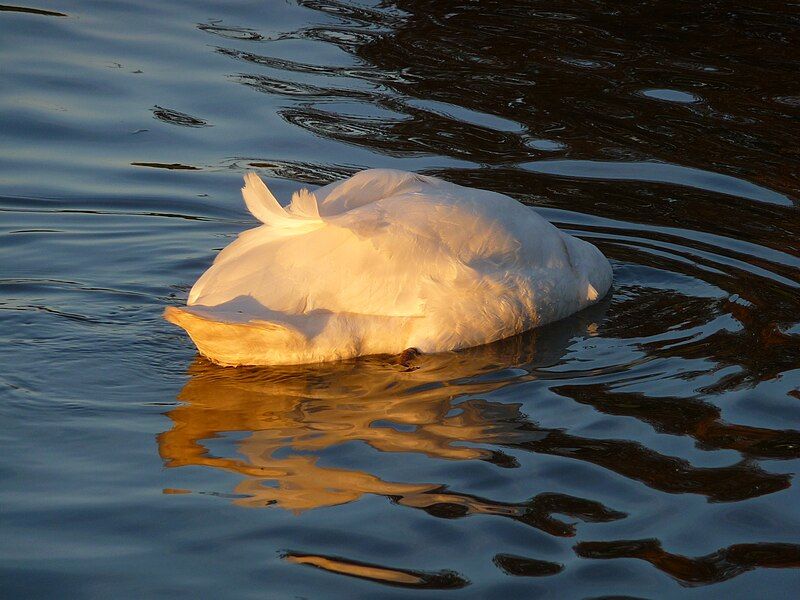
[(382, 262)]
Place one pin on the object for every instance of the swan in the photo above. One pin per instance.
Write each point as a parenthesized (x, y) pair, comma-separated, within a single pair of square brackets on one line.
[(380, 263)]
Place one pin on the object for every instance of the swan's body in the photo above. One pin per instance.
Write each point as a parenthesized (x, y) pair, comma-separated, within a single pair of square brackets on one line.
[(380, 262)]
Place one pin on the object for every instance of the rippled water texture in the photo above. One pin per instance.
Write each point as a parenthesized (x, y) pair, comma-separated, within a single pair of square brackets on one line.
[(645, 448)]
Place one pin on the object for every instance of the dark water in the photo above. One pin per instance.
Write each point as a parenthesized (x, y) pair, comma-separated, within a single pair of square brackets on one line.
[(645, 448)]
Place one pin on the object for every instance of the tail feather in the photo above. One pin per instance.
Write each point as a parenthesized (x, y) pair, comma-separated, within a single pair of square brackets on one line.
[(265, 207), (304, 204), (260, 201)]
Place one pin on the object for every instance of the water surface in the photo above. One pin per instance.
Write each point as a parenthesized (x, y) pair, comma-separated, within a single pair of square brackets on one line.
[(644, 448)]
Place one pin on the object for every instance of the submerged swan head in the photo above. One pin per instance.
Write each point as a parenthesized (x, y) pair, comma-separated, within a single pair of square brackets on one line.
[(380, 262)]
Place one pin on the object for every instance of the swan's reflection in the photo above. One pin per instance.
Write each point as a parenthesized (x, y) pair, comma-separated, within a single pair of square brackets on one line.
[(426, 404), (393, 404)]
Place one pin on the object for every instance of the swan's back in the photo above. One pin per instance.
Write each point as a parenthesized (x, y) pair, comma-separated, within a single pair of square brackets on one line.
[(388, 260)]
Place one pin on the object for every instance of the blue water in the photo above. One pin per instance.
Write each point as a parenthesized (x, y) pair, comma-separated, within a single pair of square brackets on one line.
[(644, 448)]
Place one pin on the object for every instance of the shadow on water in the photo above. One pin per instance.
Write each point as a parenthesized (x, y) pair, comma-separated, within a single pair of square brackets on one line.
[(703, 570), (689, 417), (30, 10), (168, 115)]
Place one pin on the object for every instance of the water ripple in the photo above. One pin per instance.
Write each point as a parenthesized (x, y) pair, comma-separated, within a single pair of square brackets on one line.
[(660, 425)]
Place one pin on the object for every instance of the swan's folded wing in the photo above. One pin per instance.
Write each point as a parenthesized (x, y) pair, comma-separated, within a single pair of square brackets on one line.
[(366, 187)]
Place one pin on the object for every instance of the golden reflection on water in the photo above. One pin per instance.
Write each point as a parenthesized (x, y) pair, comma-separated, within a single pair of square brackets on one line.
[(387, 575), (434, 405), (311, 409), (391, 404), (363, 571)]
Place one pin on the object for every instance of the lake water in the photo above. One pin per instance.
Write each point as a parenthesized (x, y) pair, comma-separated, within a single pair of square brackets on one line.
[(645, 448)]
